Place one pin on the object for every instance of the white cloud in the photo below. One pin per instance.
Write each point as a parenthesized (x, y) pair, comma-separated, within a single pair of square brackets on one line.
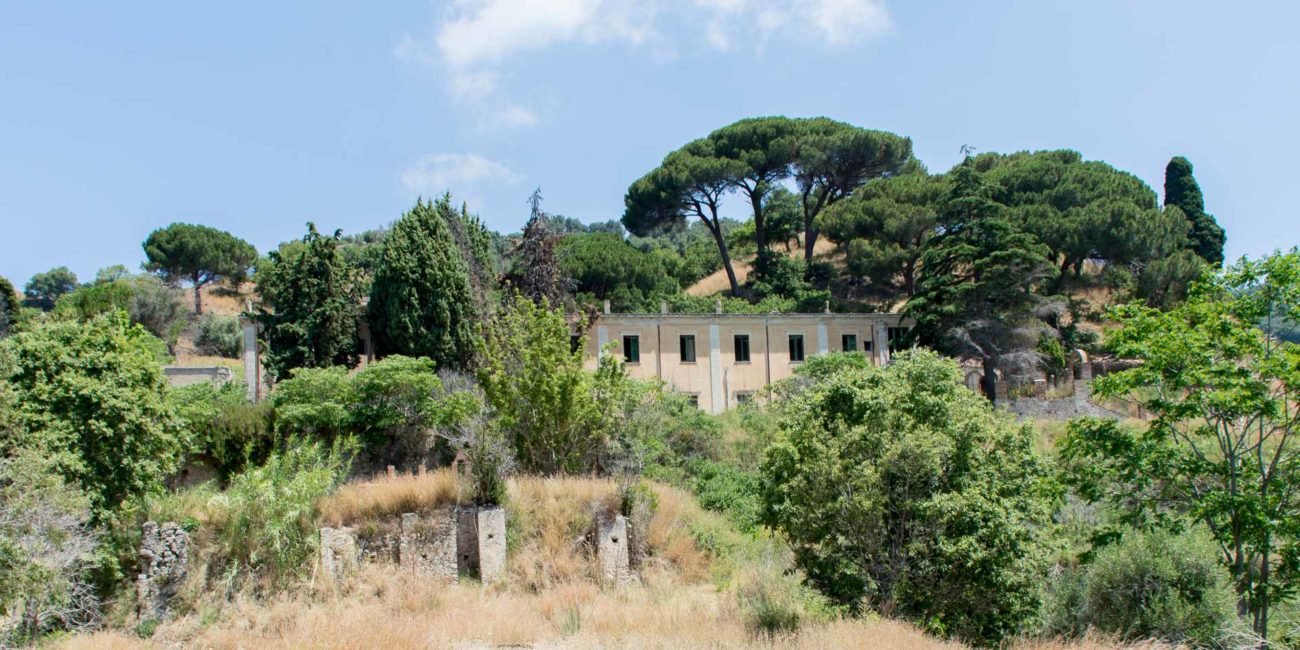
[(473, 41), (463, 173)]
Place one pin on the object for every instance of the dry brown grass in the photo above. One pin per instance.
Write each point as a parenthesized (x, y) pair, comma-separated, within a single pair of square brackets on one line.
[(717, 282), (384, 608), (385, 496)]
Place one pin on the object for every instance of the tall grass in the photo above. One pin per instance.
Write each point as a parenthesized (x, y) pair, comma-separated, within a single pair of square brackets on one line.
[(389, 496), (261, 531)]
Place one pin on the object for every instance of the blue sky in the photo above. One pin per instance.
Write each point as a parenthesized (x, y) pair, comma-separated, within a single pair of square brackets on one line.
[(117, 118)]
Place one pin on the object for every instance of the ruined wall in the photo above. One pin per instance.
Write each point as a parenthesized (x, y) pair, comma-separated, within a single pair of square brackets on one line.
[(164, 565)]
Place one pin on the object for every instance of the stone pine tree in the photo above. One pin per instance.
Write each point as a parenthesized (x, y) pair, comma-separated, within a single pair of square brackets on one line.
[(420, 301), (45, 289), (311, 305), (977, 295), (1206, 237), (199, 255), (690, 183)]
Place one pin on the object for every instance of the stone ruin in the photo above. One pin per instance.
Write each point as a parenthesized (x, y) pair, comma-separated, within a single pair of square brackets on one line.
[(462, 541), (448, 543), (164, 565)]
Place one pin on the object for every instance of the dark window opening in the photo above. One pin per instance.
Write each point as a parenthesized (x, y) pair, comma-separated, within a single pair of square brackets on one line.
[(575, 342), (694, 399), (744, 398), (688, 348), (896, 336), (742, 347), (632, 348), (849, 343), (796, 347)]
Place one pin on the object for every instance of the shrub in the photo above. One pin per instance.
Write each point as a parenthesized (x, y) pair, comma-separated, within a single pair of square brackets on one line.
[(1155, 585), (157, 308), (218, 335), (900, 488), (221, 424), (46, 550), (263, 525), (771, 603)]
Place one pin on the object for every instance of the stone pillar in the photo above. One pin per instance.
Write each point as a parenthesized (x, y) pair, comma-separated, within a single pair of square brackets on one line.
[(339, 552), (881, 338), (164, 565), (823, 343), (612, 549), (251, 359), (491, 544)]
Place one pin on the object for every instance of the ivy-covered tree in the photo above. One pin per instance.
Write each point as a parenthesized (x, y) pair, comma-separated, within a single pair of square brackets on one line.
[(533, 265), (91, 397), (902, 491), (1222, 445), (311, 306), (978, 292), (199, 255), (885, 226), (1205, 237), (43, 290), (421, 302)]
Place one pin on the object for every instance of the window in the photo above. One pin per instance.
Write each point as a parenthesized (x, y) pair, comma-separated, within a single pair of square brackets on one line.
[(796, 347), (866, 346), (694, 399), (688, 348), (742, 348), (575, 342), (896, 335), (849, 342), (631, 348), (744, 397)]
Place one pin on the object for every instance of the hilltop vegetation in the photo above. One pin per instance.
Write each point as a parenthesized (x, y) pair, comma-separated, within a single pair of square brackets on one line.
[(849, 504)]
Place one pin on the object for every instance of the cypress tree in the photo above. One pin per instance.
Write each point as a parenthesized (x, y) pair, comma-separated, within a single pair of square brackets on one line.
[(1205, 237), (317, 308), (421, 304)]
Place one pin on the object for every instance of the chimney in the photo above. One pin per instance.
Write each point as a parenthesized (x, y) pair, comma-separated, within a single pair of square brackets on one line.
[(606, 305), (717, 306)]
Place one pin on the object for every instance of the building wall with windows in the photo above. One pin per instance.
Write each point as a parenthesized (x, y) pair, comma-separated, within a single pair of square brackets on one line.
[(719, 375)]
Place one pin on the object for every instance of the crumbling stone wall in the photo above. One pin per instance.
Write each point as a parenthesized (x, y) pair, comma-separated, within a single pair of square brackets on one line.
[(427, 545), (164, 565)]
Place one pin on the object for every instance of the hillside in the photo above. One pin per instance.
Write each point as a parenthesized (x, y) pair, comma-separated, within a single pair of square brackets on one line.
[(702, 584)]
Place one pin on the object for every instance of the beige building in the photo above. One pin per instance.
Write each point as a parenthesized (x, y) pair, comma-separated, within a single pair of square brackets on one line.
[(721, 360)]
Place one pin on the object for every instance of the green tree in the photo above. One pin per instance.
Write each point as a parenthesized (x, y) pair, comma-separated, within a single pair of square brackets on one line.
[(885, 226), (833, 159), (757, 154), (199, 255), (1220, 447), (9, 306), (420, 300), (901, 490), (690, 183), (558, 415), (605, 267), (45, 289), (1206, 237), (977, 295), (534, 269), (91, 395), (311, 306)]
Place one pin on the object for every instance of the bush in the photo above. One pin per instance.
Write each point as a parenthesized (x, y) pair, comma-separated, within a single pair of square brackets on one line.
[(263, 526), (223, 426), (157, 308), (1156, 585), (901, 489), (218, 336), (46, 551)]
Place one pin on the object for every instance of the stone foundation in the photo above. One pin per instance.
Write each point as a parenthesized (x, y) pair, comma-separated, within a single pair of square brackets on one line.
[(164, 565), (427, 546)]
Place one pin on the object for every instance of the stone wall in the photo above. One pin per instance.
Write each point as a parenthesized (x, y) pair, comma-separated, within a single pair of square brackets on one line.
[(178, 376), (164, 565), (428, 544)]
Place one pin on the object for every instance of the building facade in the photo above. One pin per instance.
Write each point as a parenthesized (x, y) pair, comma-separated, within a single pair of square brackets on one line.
[(721, 360)]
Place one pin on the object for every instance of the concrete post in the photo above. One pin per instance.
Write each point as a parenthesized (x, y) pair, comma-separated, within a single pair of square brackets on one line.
[(251, 358), (491, 544), (612, 549), (339, 552)]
